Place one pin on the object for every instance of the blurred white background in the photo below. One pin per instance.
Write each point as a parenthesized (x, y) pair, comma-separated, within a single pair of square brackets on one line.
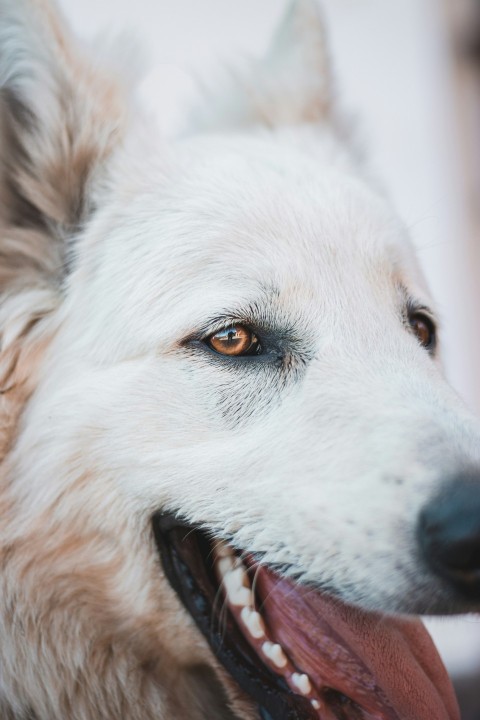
[(397, 71)]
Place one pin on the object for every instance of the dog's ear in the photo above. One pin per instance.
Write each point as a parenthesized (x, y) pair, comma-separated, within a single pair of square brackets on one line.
[(294, 78), (61, 118), (290, 86)]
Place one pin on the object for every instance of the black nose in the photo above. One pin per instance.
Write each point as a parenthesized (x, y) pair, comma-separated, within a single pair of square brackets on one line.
[(449, 534)]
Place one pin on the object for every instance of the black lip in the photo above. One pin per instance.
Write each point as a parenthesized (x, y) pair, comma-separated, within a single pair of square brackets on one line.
[(187, 559)]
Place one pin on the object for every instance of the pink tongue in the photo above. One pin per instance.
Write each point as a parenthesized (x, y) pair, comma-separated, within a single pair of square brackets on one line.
[(387, 665)]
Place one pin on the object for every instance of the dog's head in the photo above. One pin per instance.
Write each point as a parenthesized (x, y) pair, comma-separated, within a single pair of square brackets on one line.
[(220, 387)]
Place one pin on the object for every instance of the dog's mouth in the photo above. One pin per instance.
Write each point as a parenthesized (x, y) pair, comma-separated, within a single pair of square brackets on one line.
[(298, 652)]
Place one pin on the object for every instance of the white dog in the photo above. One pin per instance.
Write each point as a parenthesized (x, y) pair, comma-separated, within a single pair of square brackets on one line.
[(227, 446)]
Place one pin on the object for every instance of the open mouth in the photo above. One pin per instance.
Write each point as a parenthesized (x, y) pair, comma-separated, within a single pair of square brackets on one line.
[(298, 652)]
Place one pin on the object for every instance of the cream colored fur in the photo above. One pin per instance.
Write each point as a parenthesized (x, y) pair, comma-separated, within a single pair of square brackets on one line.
[(113, 250)]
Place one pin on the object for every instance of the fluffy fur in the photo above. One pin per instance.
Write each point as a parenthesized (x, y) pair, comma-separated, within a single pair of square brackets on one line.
[(116, 251)]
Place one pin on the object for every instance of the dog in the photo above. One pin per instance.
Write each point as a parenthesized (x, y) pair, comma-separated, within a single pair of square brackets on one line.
[(232, 472)]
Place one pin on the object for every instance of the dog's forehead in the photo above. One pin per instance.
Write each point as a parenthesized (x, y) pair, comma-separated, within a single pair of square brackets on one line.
[(260, 212), (260, 196), (253, 223)]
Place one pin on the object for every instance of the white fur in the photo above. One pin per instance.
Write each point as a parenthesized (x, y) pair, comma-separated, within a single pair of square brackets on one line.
[(323, 466)]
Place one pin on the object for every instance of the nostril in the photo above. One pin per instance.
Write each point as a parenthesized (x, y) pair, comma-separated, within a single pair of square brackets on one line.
[(449, 534), (461, 555)]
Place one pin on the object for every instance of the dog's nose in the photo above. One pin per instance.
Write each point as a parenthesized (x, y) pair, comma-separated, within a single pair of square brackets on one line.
[(449, 534)]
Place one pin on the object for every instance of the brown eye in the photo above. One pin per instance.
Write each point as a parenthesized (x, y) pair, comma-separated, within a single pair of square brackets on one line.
[(424, 330), (234, 341)]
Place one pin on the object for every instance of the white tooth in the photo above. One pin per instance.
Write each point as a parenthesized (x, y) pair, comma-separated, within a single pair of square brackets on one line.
[(240, 596), (302, 682), (316, 705), (274, 653), (278, 656), (223, 550), (235, 583), (245, 615), (253, 622), (225, 565), (238, 577), (237, 587)]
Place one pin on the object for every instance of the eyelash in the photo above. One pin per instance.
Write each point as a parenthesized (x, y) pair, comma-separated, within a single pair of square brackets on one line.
[(219, 325)]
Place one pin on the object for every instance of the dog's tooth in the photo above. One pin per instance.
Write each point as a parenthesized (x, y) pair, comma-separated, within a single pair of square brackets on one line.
[(237, 587), (239, 577), (316, 705), (225, 565), (240, 596), (274, 652), (253, 621), (235, 578), (222, 550), (302, 683)]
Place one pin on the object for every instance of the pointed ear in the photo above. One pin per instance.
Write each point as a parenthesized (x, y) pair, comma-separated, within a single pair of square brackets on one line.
[(61, 116), (61, 119), (296, 72), (290, 86)]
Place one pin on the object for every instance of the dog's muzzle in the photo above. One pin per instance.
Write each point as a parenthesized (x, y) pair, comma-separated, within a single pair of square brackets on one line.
[(298, 652)]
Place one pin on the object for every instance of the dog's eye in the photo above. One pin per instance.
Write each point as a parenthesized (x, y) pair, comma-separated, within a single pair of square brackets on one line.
[(424, 329), (234, 341)]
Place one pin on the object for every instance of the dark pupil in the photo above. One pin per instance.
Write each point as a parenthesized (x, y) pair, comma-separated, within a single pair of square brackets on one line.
[(231, 337), (423, 332)]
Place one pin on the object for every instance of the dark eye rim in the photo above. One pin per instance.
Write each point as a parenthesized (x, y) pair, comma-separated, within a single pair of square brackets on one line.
[(423, 314), (272, 345)]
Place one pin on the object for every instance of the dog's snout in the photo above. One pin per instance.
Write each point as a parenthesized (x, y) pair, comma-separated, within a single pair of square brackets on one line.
[(449, 534)]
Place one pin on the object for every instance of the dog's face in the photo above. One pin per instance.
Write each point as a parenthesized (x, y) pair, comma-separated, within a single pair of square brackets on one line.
[(244, 344), (332, 414)]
